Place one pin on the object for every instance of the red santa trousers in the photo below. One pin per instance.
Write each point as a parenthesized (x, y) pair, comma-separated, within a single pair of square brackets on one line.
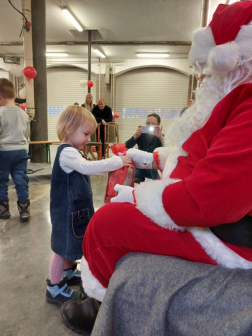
[(119, 228)]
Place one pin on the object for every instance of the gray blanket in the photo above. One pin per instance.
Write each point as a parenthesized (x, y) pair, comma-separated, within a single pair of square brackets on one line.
[(152, 295)]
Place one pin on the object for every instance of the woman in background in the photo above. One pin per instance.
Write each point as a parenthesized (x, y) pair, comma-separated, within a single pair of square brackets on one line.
[(88, 105)]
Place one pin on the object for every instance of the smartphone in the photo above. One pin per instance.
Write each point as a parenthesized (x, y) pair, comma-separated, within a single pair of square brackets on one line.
[(147, 129)]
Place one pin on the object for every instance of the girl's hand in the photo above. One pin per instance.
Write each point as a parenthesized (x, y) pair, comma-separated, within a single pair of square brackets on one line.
[(126, 161)]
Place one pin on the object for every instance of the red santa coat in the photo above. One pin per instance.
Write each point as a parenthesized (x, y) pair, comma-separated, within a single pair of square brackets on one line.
[(215, 180), (210, 186)]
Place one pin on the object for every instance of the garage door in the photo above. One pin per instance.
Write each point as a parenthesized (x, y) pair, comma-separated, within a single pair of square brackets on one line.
[(149, 90), (4, 74), (63, 89)]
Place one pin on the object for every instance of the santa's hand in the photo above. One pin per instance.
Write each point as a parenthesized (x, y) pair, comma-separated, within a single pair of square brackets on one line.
[(125, 194), (142, 160)]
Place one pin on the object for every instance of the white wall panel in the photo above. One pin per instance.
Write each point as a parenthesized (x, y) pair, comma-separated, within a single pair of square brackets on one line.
[(149, 90), (63, 89)]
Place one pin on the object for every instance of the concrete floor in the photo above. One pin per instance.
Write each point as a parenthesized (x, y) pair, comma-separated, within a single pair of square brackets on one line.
[(25, 255)]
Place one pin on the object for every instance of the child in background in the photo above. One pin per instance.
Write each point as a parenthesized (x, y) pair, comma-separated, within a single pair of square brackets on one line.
[(71, 200), (14, 143)]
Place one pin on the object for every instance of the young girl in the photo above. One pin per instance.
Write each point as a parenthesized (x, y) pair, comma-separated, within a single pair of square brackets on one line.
[(71, 205)]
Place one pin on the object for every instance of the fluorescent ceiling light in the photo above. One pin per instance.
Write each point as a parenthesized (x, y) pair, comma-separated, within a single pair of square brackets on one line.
[(152, 55), (52, 54), (72, 19), (98, 52)]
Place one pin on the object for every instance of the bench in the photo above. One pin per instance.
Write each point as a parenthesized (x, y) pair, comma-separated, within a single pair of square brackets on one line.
[(46, 145)]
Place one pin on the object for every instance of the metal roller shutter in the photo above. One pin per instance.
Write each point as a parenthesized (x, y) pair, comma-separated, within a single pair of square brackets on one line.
[(63, 89), (148, 90), (4, 74)]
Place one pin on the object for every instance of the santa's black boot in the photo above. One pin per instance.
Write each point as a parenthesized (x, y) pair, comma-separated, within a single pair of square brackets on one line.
[(80, 315)]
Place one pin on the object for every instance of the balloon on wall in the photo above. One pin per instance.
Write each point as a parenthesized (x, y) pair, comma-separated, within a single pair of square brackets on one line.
[(22, 106), (30, 72), (83, 83), (22, 93), (90, 84), (16, 70), (116, 115)]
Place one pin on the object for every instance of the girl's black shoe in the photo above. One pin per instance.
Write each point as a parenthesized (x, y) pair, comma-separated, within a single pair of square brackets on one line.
[(60, 293)]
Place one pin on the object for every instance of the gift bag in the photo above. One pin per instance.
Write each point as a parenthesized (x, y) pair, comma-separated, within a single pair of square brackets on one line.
[(124, 176)]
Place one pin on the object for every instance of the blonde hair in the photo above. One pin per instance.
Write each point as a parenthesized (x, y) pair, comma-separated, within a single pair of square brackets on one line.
[(7, 90), (71, 118), (91, 106)]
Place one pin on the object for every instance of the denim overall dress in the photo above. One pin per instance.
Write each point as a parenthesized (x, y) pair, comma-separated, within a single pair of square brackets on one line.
[(71, 209)]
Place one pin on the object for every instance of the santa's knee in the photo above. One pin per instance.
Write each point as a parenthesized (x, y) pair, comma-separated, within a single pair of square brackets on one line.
[(109, 224)]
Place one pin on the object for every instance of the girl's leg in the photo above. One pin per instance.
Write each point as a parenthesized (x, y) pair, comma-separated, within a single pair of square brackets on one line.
[(56, 268), (119, 228), (68, 264), (58, 291), (72, 273)]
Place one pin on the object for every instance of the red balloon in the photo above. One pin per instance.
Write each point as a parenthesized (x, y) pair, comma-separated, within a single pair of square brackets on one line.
[(30, 72), (22, 106), (90, 83), (116, 115)]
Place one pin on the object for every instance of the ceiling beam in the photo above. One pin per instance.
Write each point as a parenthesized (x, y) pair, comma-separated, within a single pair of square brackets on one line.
[(107, 43)]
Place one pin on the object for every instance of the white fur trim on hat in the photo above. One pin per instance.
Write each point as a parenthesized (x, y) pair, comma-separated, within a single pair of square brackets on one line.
[(223, 58), (203, 43), (244, 40), (218, 251), (149, 201), (92, 287)]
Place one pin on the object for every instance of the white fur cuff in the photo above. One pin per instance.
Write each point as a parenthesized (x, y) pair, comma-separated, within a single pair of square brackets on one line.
[(149, 201), (92, 287), (218, 251), (163, 153)]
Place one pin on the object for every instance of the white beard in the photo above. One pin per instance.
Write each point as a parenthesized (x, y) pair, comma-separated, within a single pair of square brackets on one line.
[(211, 91)]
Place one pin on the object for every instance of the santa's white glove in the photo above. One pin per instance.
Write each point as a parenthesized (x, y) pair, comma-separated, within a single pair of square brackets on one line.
[(125, 194), (142, 160)]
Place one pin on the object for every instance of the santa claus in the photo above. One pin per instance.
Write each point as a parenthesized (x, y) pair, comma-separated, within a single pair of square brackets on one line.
[(201, 208)]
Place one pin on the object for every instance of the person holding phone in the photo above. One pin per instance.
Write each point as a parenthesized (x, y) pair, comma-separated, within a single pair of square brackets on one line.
[(148, 138)]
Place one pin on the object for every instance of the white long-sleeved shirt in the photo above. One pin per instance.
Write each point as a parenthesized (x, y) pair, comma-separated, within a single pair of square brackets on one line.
[(71, 159)]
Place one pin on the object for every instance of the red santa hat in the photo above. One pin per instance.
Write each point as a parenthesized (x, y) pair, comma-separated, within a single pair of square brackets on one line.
[(226, 41)]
